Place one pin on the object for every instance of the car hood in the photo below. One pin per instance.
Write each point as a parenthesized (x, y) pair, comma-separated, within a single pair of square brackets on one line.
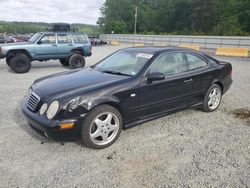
[(70, 82), (14, 44)]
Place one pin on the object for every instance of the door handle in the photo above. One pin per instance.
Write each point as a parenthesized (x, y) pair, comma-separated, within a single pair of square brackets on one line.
[(189, 80), (54, 45), (70, 44)]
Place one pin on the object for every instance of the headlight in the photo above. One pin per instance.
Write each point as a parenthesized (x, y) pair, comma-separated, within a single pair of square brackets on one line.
[(73, 104), (2, 51), (53, 109), (43, 109)]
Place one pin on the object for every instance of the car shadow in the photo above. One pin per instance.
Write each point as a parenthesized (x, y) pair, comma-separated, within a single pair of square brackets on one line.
[(44, 67), (48, 64)]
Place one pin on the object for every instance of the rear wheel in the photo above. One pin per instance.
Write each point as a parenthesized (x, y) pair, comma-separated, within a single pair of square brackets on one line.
[(76, 61), (102, 127), (20, 63), (213, 98), (64, 62)]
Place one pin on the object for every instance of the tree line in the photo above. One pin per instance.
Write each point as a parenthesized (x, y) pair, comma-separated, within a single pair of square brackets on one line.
[(187, 17), (33, 27)]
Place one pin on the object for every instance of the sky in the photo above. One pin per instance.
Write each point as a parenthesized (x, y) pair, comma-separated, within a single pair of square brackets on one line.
[(51, 11)]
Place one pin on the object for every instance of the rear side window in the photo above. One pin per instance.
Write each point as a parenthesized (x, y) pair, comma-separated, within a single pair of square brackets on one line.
[(64, 39), (195, 62), (169, 64), (80, 38)]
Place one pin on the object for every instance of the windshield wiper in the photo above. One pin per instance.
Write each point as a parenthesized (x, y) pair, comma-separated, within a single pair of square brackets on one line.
[(114, 72)]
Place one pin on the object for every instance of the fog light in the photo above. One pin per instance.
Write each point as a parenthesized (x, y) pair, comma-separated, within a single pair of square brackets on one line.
[(66, 125)]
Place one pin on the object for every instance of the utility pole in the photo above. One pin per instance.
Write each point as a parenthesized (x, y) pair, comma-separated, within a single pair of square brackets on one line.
[(135, 19)]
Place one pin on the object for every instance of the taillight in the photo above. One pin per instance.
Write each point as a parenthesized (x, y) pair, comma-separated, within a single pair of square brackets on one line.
[(231, 73), (90, 49)]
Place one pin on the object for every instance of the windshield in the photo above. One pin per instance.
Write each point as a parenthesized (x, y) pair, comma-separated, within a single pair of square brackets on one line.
[(35, 37), (124, 63)]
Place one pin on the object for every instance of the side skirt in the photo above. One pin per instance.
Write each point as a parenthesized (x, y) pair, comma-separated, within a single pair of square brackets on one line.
[(159, 115)]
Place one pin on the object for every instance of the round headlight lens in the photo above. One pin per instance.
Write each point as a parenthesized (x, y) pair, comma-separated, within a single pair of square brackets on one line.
[(43, 109), (53, 109)]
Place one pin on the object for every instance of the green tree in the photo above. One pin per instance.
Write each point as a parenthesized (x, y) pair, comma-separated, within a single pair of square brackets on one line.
[(117, 13), (220, 17)]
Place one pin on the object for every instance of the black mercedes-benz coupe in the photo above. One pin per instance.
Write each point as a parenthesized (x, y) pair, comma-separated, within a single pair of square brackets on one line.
[(129, 87)]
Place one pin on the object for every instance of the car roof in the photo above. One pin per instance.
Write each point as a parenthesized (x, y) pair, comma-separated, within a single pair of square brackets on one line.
[(62, 32), (158, 50)]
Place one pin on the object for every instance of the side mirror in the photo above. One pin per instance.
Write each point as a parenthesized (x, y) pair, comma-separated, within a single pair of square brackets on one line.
[(155, 76), (39, 42)]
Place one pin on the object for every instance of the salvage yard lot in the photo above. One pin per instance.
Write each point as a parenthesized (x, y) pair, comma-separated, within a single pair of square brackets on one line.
[(188, 148)]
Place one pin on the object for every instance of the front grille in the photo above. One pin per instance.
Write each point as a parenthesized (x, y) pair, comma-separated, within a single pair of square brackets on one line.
[(33, 101)]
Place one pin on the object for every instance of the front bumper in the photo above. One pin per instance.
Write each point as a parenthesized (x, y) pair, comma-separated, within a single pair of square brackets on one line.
[(51, 128)]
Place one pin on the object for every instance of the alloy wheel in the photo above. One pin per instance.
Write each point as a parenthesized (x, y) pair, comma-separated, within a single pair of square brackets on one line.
[(104, 128), (214, 98)]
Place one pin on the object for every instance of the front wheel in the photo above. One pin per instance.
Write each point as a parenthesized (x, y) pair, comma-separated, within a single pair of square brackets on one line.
[(76, 61), (213, 98), (8, 61), (20, 63), (102, 127)]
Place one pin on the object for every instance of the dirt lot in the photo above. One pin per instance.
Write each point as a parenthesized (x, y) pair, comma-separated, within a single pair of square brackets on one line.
[(187, 149)]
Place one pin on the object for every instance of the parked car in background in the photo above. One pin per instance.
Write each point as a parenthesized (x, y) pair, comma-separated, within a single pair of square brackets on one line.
[(2, 39), (95, 41), (131, 86), (10, 39), (70, 48)]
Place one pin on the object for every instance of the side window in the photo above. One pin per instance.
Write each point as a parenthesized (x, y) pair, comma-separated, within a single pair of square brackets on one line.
[(195, 62), (64, 39), (78, 38), (48, 39), (169, 64)]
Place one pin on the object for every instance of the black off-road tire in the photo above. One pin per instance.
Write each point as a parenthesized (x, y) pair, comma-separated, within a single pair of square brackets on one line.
[(76, 61), (206, 107), (8, 61), (64, 62), (87, 124), (20, 63)]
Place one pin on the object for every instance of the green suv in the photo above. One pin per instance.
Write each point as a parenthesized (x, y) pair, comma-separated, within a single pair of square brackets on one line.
[(69, 47)]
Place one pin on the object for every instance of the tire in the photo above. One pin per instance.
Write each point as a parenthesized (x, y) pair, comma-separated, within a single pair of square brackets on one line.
[(8, 61), (64, 62), (20, 63), (102, 127), (76, 61), (212, 99)]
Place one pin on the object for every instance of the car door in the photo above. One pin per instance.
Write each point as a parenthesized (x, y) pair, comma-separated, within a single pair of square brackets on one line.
[(174, 92), (201, 74), (46, 47), (64, 44)]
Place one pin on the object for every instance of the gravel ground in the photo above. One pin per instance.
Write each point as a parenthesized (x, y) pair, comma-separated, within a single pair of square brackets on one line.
[(187, 149)]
